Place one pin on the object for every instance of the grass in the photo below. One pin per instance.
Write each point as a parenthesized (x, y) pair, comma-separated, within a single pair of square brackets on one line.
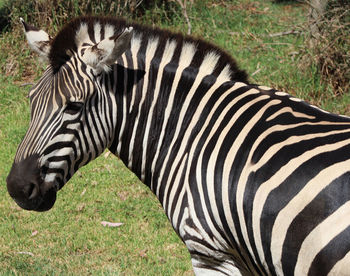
[(69, 239)]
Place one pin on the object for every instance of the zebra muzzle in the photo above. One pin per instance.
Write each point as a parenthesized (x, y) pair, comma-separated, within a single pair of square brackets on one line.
[(27, 188)]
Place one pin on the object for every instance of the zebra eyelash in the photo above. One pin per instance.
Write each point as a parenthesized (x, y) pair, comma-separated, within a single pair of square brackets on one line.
[(73, 107)]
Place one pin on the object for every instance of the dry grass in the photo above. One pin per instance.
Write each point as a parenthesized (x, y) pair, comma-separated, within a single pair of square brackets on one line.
[(56, 13), (329, 48)]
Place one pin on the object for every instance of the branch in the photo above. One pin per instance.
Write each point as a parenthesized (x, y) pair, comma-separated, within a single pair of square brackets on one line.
[(284, 33), (257, 71), (183, 4), (26, 84)]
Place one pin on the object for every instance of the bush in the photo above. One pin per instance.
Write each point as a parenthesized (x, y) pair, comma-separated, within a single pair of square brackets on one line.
[(56, 13), (329, 47)]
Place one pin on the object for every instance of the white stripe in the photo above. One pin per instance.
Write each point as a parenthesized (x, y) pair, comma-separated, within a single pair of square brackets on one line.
[(97, 32), (264, 87), (176, 183), (82, 35), (178, 205), (125, 110), (109, 31), (292, 112), (277, 147), (210, 182), (135, 47), (324, 111), (279, 93), (321, 236), (192, 204), (302, 199), (341, 268), (212, 160), (271, 152), (166, 58), (150, 51), (205, 69), (229, 163), (222, 78), (186, 56), (265, 188), (50, 177), (295, 99)]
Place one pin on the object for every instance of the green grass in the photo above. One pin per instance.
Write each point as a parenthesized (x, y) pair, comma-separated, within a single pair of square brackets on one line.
[(70, 239)]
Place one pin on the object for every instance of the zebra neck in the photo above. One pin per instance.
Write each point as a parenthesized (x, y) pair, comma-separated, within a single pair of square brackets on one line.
[(165, 86)]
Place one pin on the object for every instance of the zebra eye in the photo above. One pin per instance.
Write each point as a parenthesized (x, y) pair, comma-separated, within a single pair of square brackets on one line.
[(73, 107)]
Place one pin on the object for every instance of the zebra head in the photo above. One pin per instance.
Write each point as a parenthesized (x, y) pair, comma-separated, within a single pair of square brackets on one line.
[(68, 111)]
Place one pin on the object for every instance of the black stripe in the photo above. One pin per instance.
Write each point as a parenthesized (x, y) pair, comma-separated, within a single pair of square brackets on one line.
[(315, 213), (289, 188), (334, 251)]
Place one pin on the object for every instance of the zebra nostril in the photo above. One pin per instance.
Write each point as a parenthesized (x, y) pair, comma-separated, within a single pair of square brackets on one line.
[(32, 190)]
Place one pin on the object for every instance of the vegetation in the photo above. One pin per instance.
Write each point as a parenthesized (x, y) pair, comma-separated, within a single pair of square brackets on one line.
[(328, 40), (69, 239)]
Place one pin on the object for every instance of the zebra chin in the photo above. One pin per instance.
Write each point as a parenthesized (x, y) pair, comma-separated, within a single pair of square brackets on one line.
[(27, 188)]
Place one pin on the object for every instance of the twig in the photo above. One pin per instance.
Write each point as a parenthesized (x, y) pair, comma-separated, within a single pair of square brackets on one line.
[(284, 33), (183, 5), (257, 71), (134, 4), (138, 3), (26, 84), (277, 43)]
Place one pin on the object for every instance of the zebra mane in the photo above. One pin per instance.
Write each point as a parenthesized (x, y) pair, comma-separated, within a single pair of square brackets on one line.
[(66, 42)]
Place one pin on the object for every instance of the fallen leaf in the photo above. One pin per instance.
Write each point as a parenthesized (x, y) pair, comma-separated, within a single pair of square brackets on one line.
[(123, 195), (94, 183), (143, 253), (111, 224), (81, 207)]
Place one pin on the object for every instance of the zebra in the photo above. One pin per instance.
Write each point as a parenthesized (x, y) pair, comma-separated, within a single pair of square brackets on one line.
[(253, 180)]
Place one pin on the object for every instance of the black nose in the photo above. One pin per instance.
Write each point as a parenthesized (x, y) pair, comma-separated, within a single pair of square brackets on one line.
[(26, 187)]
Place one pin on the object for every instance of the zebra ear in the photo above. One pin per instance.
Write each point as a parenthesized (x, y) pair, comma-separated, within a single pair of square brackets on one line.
[(38, 40), (105, 53)]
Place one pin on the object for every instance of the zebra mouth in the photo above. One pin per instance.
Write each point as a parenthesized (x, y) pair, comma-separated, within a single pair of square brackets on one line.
[(48, 194), (48, 197), (44, 201), (26, 186)]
